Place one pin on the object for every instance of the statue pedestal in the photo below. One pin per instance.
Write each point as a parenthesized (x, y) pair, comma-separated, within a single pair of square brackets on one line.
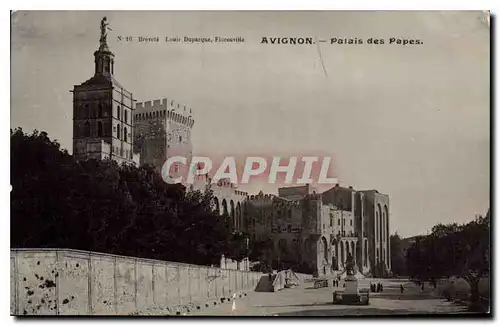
[(351, 292), (351, 285)]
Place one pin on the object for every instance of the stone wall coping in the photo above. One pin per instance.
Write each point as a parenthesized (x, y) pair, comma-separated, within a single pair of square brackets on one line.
[(106, 255)]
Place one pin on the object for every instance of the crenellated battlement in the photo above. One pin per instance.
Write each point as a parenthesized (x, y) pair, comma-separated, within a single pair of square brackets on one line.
[(274, 200), (164, 109)]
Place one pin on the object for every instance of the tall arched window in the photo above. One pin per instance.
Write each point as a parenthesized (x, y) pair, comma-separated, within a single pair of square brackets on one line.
[(365, 262), (125, 134), (324, 248), (86, 129), (118, 109), (224, 208), (99, 129), (125, 116), (118, 131), (342, 257)]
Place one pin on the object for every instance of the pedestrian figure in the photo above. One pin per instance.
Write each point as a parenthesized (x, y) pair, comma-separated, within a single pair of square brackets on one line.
[(381, 287), (402, 288)]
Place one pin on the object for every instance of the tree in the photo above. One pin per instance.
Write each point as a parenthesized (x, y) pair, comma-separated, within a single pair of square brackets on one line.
[(398, 262), (59, 202), (453, 250)]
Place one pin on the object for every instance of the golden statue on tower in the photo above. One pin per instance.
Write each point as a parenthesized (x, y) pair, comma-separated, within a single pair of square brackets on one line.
[(104, 31)]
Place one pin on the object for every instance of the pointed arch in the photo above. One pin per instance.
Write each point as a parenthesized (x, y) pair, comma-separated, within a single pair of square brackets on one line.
[(335, 254), (224, 208), (342, 257), (386, 228), (232, 215), (324, 249), (216, 206), (365, 262), (353, 252), (238, 217), (379, 229)]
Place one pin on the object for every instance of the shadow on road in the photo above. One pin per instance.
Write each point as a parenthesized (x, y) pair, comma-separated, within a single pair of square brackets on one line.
[(402, 297), (299, 305), (356, 312)]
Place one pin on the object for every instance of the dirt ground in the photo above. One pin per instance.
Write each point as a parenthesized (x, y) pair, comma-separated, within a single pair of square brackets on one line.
[(307, 301)]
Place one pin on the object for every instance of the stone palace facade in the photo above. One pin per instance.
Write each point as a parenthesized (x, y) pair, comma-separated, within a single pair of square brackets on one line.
[(305, 230)]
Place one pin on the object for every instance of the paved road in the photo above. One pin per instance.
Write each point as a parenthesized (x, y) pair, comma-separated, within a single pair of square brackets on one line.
[(307, 301)]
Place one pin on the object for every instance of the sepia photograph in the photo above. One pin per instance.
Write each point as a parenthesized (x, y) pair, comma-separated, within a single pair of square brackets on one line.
[(250, 163)]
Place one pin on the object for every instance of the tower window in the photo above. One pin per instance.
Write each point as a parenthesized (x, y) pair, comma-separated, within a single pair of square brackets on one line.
[(125, 134), (86, 129), (125, 113), (85, 112), (118, 131), (99, 129), (351, 222), (118, 112), (106, 65)]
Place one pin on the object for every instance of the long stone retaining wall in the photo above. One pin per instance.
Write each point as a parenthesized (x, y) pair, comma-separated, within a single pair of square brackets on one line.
[(73, 282)]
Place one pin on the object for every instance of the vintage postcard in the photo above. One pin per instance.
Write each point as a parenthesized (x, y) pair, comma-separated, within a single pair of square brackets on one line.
[(250, 163)]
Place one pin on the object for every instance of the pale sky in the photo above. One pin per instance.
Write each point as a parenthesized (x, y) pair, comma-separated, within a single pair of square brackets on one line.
[(411, 121)]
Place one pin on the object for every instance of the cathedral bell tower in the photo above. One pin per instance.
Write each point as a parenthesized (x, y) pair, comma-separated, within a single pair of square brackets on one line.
[(104, 58), (103, 123)]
